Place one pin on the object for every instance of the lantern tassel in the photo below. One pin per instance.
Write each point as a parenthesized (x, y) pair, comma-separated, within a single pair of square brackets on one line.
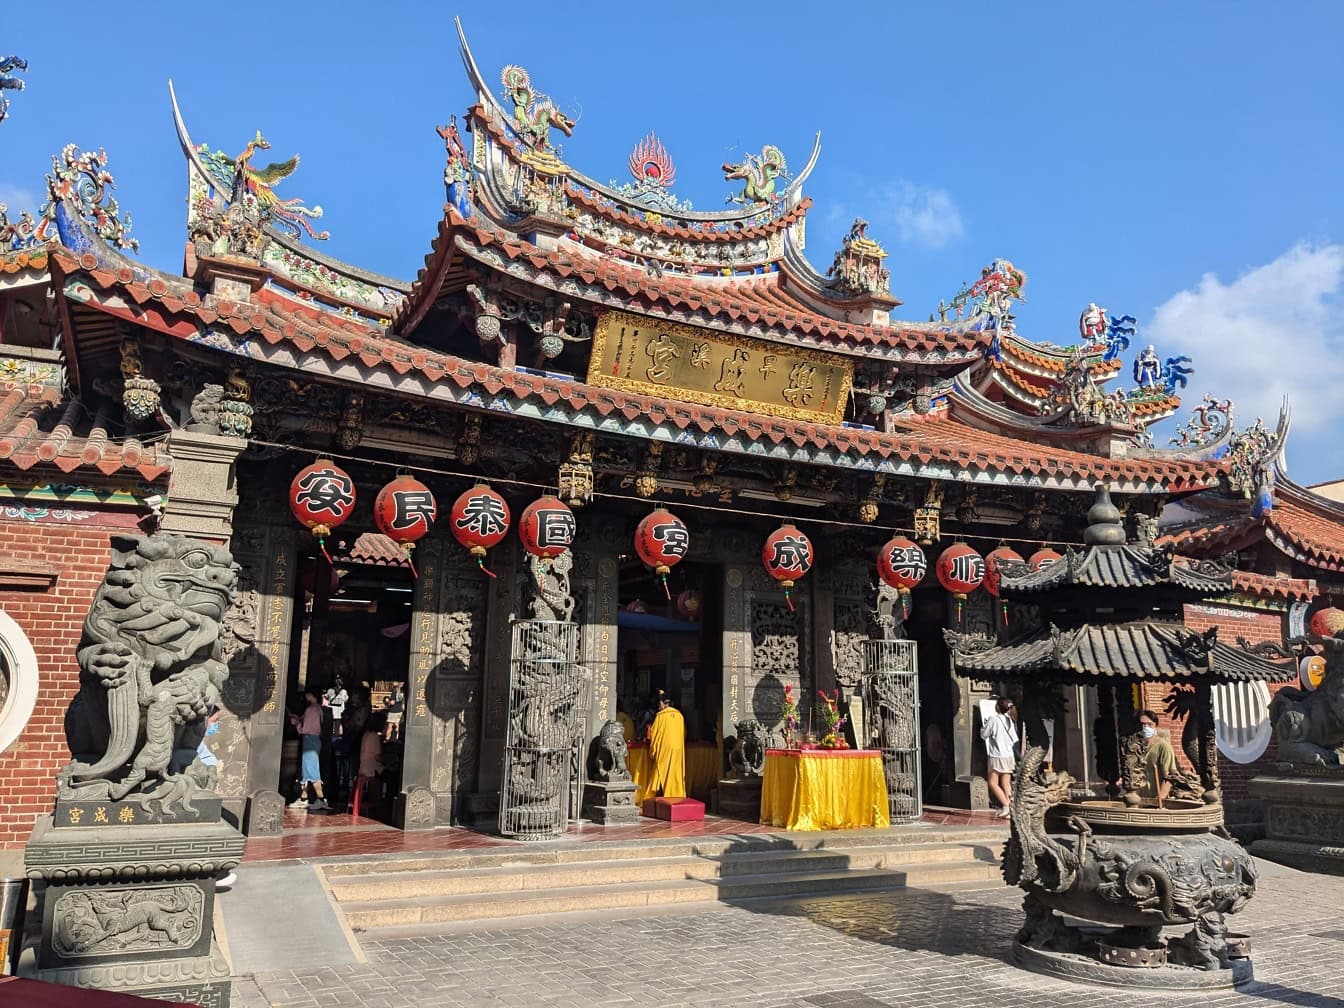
[(788, 597), (961, 601), (414, 573), (1003, 608), (480, 562), (322, 545), (666, 590)]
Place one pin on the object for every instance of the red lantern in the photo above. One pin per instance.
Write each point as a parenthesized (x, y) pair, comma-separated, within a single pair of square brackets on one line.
[(404, 510), (480, 519), (662, 541), (1327, 622), (1043, 557), (960, 570), (688, 605), (787, 556), (996, 557), (322, 496), (547, 527), (901, 564)]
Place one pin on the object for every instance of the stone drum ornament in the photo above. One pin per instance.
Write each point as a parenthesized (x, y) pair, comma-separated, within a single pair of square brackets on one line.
[(480, 520), (787, 556), (662, 541), (901, 564), (404, 510), (547, 527), (322, 496)]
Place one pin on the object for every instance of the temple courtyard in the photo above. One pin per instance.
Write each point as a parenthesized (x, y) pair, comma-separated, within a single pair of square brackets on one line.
[(930, 944)]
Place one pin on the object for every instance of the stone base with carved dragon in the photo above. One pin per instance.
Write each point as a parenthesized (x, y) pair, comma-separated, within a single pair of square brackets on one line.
[(1130, 885)]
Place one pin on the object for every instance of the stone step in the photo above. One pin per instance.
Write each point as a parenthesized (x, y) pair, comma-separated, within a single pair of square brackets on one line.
[(530, 877), (422, 910), (706, 846)]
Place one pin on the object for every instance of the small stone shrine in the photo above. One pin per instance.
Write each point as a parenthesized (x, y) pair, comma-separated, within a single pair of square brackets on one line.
[(125, 867), (1303, 793), (1109, 615)]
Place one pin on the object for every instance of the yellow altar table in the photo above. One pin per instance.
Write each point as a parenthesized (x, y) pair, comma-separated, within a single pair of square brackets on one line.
[(824, 789), (702, 768)]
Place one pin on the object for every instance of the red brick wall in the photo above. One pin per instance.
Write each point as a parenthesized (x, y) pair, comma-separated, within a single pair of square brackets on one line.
[(1256, 626), (52, 620)]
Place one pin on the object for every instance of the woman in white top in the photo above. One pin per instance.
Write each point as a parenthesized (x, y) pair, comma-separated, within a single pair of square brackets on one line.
[(1000, 734)]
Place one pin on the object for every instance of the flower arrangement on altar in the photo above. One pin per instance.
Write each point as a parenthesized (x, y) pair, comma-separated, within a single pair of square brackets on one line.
[(788, 714), (830, 713)]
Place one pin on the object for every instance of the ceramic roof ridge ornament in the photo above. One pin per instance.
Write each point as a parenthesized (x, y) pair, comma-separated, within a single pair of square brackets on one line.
[(9, 82), (1106, 525), (533, 112)]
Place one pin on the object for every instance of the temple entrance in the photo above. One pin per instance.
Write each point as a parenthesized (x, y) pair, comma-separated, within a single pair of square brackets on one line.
[(673, 645), (353, 654)]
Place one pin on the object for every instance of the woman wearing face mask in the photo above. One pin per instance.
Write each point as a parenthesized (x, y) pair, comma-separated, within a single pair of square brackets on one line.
[(1000, 734), (1159, 761)]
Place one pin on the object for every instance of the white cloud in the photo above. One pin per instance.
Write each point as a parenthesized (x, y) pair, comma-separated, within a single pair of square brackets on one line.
[(1276, 330), (923, 215)]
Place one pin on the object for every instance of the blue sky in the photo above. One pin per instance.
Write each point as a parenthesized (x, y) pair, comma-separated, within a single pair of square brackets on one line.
[(1177, 162)]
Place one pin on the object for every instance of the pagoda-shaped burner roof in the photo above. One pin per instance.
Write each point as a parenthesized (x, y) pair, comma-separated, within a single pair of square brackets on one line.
[(1137, 650), (1127, 566)]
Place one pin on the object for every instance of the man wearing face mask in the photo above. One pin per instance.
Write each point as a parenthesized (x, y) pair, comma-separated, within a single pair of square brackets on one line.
[(1159, 760)]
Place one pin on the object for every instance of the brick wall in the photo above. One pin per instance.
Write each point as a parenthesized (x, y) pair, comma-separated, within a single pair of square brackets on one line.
[(52, 620), (1256, 626)]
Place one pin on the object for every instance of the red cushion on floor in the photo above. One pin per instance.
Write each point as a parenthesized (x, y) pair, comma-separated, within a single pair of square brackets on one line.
[(675, 809)]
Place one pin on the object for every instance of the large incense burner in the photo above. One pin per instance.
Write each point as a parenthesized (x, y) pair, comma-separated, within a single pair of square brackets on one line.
[(1106, 876)]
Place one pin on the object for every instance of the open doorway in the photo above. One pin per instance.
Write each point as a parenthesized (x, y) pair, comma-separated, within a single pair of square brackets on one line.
[(671, 641), (353, 657)]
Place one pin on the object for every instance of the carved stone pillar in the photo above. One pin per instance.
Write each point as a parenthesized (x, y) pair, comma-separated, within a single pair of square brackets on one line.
[(483, 805), (443, 716), (596, 592), (259, 670), (202, 490)]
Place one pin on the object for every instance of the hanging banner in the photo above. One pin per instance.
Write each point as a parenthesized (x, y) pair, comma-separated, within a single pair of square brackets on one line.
[(636, 354)]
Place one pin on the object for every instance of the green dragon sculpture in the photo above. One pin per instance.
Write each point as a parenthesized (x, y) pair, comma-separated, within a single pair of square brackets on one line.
[(533, 113), (761, 173)]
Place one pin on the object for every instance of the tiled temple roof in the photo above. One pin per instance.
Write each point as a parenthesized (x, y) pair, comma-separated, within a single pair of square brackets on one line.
[(1306, 527), (1119, 567), (763, 302), (40, 427), (1136, 650), (171, 305)]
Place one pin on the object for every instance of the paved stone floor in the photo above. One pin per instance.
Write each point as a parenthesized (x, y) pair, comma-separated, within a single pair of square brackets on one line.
[(892, 950)]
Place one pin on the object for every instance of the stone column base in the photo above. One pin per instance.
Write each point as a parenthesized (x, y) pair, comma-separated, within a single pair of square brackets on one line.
[(1304, 818), (739, 798), (131, 908), (610, 803)]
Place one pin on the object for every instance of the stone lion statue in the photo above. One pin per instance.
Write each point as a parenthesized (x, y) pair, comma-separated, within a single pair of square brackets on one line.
[(148, 673), (609, 753), (747, 757)]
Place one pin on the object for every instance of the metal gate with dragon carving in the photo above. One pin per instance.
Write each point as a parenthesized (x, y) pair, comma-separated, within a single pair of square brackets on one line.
[(545, 695), (891, 720)]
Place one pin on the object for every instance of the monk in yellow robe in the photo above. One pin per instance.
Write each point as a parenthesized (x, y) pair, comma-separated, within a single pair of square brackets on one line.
[(667, 748)]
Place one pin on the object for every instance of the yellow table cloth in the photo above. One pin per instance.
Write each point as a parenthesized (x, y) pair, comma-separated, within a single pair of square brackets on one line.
[(824, 789), (702, 768)]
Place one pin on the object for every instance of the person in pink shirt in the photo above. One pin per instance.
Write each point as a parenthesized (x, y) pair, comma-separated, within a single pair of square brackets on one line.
[(309, 725)]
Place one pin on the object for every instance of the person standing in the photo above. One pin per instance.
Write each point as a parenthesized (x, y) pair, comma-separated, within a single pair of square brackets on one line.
[(1000, 734), (667, 748), (309, 726), (1159, 760)]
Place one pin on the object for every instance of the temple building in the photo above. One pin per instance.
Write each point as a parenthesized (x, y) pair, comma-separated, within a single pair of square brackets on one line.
[(610, 345)]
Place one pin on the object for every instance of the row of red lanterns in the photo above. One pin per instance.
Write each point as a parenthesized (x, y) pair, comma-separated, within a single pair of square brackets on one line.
[(322, 496)]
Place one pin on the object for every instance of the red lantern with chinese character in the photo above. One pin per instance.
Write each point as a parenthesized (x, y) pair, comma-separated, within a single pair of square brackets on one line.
[(404, 510), (1043, 557), (322, 496), (901, 564), (787, 556), (547, 527), (480, 519), (960, 570), (662, 541), (1327, 622), (688, 605)]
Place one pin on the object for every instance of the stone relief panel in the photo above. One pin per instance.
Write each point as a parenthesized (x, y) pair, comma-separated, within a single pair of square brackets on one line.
[(127, 921), (847, 636), (780, 656), (455, 691)]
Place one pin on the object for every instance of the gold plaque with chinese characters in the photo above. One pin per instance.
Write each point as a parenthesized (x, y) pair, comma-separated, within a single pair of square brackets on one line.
[(674, 361)]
